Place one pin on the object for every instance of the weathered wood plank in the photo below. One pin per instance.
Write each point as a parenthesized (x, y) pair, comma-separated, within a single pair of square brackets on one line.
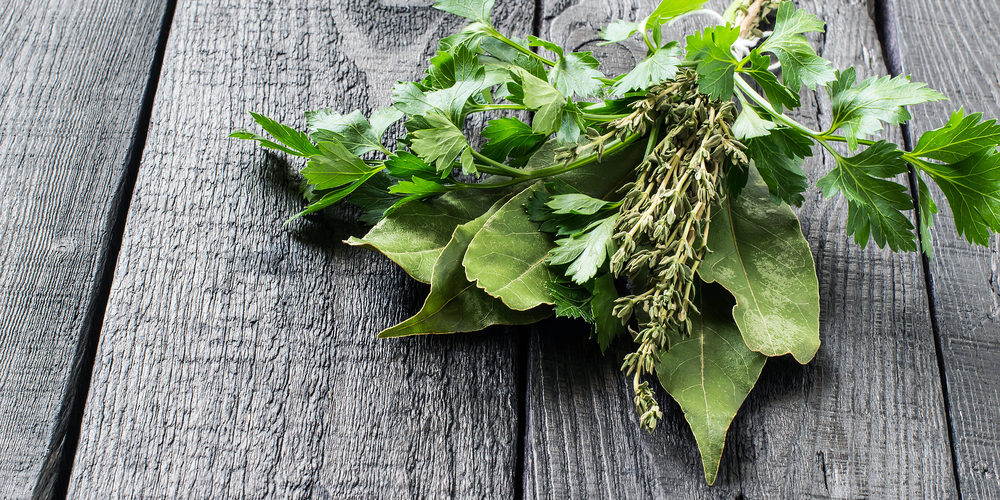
[(239, 359), (952, 47), (864, 419), (74, 73)]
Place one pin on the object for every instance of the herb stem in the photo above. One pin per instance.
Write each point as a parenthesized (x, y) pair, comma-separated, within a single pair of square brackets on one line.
[(645, 38), (497, 167), (499, 107), (601, 118), (520, 48), (558, 168), (762, 102)]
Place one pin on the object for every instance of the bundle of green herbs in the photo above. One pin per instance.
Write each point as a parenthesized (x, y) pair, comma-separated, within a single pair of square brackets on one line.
[(653, 204)]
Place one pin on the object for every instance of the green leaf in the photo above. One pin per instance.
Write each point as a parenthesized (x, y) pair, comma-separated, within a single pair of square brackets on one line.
[(469, 36), (585, 252), (570, 300), (799, 63), (760, 255), (607, 326), (571, 125), (576, 203), (618, 31), (875, 204), (264, 141), (960, 138), (414, 235), (447, 68), (352, 130), (927, 210), (333, 166), (709, 373), (547, 102), (373, 198), (408, 98), (475, 10), (859, 110), (574, 73), (509, 137), (577, 73), (289, 140), (777, 94), (972, 187), (456, 305), (670, 9), (334, 196), (418, 187), (778, 157), (508, 267), (383, 118), (592, 302), (658, 67), (404, 165), (442, 143), (749, 124), (711, 49), (506, 258), (451, 102)]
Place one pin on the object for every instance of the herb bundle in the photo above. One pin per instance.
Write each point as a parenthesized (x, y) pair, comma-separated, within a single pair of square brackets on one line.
[(653, 204)]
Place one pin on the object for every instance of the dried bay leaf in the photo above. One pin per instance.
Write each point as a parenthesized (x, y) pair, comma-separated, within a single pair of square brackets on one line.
[(710, 373), (455, 304), (760, 255), (415, 235), (506, 258)]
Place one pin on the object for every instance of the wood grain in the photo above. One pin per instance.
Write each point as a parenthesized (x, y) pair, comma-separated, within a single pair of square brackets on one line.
[(239, 359), (864, 419), (72, 78), (953, 48)]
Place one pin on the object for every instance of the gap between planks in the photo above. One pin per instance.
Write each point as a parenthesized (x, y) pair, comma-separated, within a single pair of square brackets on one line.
[(53, 481), (885, 24), (524, 350)]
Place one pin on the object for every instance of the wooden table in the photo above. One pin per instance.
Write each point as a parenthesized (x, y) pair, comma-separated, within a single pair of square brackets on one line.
[(162, 336)]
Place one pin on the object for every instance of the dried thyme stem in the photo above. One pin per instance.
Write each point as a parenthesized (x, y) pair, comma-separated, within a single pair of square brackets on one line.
[(664, 219)]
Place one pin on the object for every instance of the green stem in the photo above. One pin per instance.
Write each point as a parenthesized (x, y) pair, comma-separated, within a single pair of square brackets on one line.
[(558, 168), (518, 47), (645, 38), (601, 118), (908, 156), (499, 107), (781, 117), (496, 167)]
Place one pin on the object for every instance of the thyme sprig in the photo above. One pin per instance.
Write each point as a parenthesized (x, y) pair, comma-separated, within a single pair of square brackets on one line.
[(665, 217)]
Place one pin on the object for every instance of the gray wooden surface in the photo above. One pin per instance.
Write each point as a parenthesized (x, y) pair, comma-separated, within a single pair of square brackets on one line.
[(72, 78), (237, 358), (963, 63)]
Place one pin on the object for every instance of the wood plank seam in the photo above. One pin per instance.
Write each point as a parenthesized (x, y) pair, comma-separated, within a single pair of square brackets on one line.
[(524, 350), (57, 470), (884, 21)]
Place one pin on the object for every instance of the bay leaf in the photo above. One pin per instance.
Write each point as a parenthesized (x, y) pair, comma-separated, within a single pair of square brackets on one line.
[(455, 304), (758, 253), (414, 235), (710, 373), (506, 258)]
